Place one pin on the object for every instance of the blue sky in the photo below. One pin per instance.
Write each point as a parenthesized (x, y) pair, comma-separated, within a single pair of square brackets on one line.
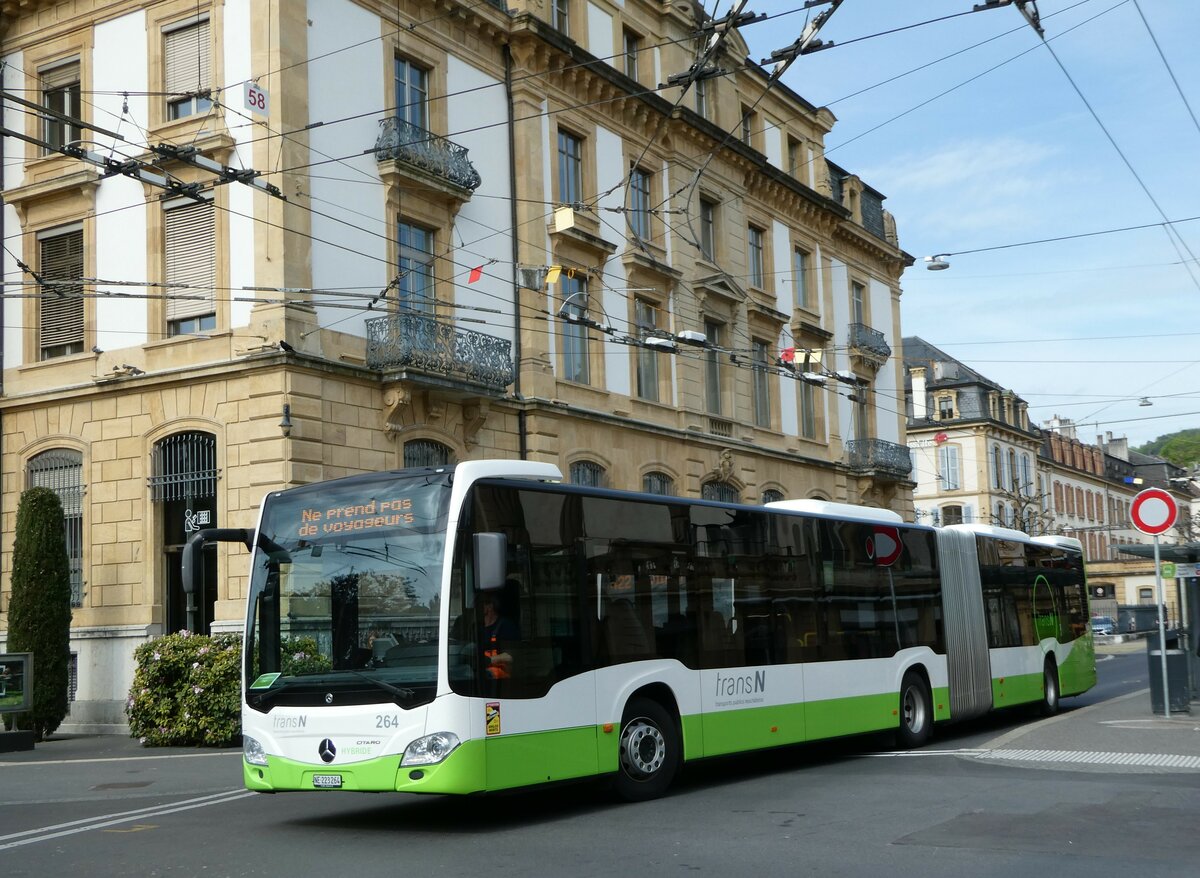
[(1081, 328)]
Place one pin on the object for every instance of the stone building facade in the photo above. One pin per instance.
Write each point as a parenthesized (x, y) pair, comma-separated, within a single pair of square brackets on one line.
[(390, 234)]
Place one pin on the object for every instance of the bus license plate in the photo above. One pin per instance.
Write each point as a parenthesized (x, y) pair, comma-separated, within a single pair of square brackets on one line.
[(327, 781)]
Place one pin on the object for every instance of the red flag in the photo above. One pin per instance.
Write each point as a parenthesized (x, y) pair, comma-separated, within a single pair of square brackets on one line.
[(476, 274)]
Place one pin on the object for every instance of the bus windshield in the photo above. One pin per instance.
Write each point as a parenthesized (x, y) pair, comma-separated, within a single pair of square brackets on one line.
[(344, 592)]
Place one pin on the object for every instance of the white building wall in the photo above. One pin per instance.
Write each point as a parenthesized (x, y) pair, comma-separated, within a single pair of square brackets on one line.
[(781, 248), (552, 299), (600, 35), (888, 398), (837, 324), (348, 84), (119, 63), (614, 297), (773, 141), (241, 197), (490, 210), (12, 173)]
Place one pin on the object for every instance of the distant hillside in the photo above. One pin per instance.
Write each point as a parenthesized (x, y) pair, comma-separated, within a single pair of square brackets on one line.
[(1181, 448)]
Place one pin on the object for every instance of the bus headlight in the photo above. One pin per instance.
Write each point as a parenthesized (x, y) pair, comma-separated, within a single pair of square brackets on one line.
[(430, 749), (252, 751)]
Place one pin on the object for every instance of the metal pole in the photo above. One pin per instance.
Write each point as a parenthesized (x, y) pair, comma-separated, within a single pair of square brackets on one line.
[(1162, 629)]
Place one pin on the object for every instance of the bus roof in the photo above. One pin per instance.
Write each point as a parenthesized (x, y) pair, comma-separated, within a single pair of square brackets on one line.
[(838, 510)]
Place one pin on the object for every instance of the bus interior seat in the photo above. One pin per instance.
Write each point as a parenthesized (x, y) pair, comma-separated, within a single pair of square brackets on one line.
[(624, 634)]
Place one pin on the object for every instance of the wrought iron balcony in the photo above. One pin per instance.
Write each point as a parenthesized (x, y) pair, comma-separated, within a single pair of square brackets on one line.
[(415, 341), (423, 149), (880, 456), (869, 341)]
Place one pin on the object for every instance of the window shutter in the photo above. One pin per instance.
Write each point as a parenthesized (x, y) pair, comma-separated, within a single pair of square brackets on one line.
[(190, 259), (60, 261), (187, 59), (60, 75)]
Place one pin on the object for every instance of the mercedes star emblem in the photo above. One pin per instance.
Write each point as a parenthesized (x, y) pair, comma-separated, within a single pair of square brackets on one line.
[(326, 750)]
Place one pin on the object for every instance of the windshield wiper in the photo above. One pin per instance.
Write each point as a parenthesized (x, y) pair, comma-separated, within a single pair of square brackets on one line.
[(382, 684), (269, 694)]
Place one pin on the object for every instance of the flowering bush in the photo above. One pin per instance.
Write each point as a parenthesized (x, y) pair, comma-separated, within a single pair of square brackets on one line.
[(187, 691), (187, 687)]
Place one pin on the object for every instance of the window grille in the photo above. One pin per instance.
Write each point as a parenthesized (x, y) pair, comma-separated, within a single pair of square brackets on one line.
[(722, 491), (588, 473), (61, 470), (771, 496), (426, 452), (658, 483), (184, 467)]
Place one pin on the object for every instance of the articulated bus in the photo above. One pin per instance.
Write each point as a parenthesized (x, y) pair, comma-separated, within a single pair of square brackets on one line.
[(642, 631)]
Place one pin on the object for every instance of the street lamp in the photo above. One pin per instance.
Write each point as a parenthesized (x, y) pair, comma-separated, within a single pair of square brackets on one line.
[(937, 263)]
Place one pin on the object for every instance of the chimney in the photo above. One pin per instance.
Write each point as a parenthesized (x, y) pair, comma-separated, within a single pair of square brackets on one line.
[(920, 408)]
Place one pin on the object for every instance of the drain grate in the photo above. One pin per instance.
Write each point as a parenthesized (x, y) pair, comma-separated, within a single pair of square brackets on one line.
[(1146, 760)]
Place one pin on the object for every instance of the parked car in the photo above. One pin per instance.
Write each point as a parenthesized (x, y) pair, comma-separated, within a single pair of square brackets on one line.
[(1103, 625)]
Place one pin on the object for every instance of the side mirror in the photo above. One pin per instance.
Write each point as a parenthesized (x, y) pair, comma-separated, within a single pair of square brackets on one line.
[(491, 560)]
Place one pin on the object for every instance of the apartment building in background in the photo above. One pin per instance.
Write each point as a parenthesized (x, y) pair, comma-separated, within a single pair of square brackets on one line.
[(292, 241)]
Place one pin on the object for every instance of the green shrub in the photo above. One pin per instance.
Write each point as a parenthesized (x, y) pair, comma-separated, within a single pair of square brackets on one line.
[(187, 687), (187, 691), (39, 611)]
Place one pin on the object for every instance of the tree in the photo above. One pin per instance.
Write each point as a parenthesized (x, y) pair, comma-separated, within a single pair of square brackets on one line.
[(1028, 512), (39, 612)]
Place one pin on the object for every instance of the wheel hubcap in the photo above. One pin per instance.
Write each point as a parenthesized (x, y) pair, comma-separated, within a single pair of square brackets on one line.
[(914, 710), (643, 748)]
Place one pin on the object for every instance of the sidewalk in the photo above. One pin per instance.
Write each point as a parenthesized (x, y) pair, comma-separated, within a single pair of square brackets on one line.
[(102, 747)]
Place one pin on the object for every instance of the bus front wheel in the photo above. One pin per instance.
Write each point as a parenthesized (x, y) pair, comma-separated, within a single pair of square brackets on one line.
[(916, 712), (650, 751)]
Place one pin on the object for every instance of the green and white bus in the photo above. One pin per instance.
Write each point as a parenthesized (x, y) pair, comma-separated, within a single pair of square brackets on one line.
[(642, 631)]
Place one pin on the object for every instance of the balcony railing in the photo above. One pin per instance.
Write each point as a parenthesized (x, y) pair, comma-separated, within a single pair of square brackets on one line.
[(414, 145), (414, 341), (879, 455), (864, 338)]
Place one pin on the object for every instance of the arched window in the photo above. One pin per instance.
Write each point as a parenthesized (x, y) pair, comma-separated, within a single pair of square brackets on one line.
[(658, 483), (184, 466), (771, 496), (722, 491), (426, 452), (588, 473), (61, 470), (997, 467)]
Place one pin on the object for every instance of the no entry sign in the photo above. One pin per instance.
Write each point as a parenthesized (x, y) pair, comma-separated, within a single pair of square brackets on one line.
[(1153, 511)]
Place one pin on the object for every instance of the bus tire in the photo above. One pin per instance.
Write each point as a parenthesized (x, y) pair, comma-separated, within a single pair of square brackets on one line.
[(650, 751), (1050, 689), (916, 712)]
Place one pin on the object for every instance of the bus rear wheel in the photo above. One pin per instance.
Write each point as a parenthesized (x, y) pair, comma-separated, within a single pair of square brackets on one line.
[(1050, 692), (650, 751), (916, 712)]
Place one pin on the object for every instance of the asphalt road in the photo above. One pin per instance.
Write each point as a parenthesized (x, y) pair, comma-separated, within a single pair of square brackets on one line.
[(105, 807)]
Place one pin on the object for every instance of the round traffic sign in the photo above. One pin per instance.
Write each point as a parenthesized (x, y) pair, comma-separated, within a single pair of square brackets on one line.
[(1153, 511)]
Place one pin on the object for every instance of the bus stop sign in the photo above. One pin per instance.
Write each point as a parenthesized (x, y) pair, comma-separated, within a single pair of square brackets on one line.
[(1153, 511)]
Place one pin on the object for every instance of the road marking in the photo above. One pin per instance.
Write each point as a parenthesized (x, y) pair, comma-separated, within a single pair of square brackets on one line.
[(102, 821), (1150, 760), (137, 827)]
